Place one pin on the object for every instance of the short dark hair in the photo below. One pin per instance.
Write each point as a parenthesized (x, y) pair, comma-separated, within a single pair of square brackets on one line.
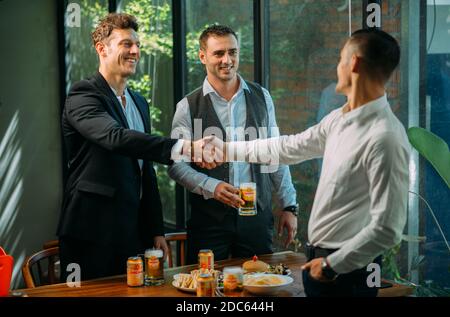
[(217, 30), (113, 21), (379, 50)]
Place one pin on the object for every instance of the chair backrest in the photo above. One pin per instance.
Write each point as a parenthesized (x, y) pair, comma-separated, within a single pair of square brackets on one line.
[(180, 247), (50, 244), (45, 262)]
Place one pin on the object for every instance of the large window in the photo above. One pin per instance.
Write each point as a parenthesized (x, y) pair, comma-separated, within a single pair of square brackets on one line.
[(304, 52), (436, 118), (154, 79), (238, 14), (81, 59)]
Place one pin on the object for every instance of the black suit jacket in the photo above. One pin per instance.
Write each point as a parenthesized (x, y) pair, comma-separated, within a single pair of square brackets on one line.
[(102, 200)]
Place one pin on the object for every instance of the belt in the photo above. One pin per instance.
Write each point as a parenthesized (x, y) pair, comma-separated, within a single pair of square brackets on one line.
[(313, 252)]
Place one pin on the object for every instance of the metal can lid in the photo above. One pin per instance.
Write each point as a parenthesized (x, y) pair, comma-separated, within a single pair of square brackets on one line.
[(204, 275), (134, 258), (205, 251)]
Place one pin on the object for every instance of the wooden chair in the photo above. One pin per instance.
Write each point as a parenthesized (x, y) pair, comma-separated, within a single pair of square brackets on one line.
[(50, 244), (45, 262), (180, 245)]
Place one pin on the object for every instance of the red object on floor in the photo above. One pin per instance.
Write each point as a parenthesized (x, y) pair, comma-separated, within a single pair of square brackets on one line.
[(6, 267)]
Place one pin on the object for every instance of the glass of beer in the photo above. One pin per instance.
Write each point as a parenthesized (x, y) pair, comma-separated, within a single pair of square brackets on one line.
[(154, 267), (248, 195), (233, 280)]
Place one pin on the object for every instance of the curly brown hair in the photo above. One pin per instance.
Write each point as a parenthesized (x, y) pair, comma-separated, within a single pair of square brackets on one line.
[(113, 21)]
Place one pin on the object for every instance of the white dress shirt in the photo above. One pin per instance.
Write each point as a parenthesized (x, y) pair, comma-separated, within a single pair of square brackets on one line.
[(232, 116), (361, 199)]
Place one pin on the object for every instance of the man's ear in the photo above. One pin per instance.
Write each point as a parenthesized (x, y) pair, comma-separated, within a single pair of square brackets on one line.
[(202, 56), (100, 47), (355, 63)]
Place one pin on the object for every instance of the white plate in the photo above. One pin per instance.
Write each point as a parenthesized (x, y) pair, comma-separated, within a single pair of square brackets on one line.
[(268, 289), (188, 290), (184, 289)]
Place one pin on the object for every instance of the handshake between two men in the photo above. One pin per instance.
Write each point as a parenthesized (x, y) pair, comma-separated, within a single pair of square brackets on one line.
[(211, 152), (208, 152)]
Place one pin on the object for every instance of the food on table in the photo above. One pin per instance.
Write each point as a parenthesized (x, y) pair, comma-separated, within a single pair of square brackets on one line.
[(189, 281), (266, 280), (184, 280), (279, 269), (255, 265)]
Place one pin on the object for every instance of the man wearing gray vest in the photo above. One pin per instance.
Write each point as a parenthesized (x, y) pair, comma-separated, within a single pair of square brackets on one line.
[(233, 108)]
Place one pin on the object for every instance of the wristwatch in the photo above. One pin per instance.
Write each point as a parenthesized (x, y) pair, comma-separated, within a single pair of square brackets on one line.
[(327, 271), (293, 209)]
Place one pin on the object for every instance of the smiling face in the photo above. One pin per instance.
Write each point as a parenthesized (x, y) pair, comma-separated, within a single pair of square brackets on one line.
[(221, 57), (120, 53)]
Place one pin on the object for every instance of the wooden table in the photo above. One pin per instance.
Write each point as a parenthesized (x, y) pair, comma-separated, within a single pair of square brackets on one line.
[(117, 285)]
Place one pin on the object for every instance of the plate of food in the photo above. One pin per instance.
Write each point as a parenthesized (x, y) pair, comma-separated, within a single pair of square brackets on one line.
[(266, 283), (185, 282), (257, 266), (188, 282)]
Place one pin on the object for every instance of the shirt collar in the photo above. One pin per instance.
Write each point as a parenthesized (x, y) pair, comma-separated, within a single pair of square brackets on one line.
[(125, 91), (367, 109), (208, 88)]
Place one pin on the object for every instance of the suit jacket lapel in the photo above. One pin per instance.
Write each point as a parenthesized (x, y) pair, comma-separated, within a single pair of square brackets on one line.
[(115, 104)]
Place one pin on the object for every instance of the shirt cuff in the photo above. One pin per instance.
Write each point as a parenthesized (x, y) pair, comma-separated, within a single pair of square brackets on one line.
[(338, 264), (176, 153), (209, 187)]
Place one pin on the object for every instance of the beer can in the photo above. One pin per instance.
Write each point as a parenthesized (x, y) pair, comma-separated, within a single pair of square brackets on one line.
[(206, 259), (135, 271), (205, 285)]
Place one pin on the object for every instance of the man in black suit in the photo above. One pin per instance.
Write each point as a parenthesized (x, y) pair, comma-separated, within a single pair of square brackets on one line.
[(111, 207)]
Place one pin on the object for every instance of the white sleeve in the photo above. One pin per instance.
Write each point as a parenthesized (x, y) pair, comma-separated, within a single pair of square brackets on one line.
[(286, 149)]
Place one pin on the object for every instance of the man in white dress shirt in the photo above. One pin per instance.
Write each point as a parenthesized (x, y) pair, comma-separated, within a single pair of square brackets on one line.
[(359, 210)]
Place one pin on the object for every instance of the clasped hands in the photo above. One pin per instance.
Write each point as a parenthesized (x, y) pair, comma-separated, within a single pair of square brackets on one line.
[(211, 152), (208, 152)]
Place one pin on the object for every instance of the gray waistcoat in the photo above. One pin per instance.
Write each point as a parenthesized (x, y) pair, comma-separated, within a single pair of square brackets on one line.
[(211, 211)]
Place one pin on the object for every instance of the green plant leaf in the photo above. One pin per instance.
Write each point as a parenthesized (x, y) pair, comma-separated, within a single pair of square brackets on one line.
[(433, 148)]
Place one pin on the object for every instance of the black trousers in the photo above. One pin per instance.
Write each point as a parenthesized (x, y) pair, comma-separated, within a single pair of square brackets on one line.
[(95, 260), (236, 236), (352, 284)]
